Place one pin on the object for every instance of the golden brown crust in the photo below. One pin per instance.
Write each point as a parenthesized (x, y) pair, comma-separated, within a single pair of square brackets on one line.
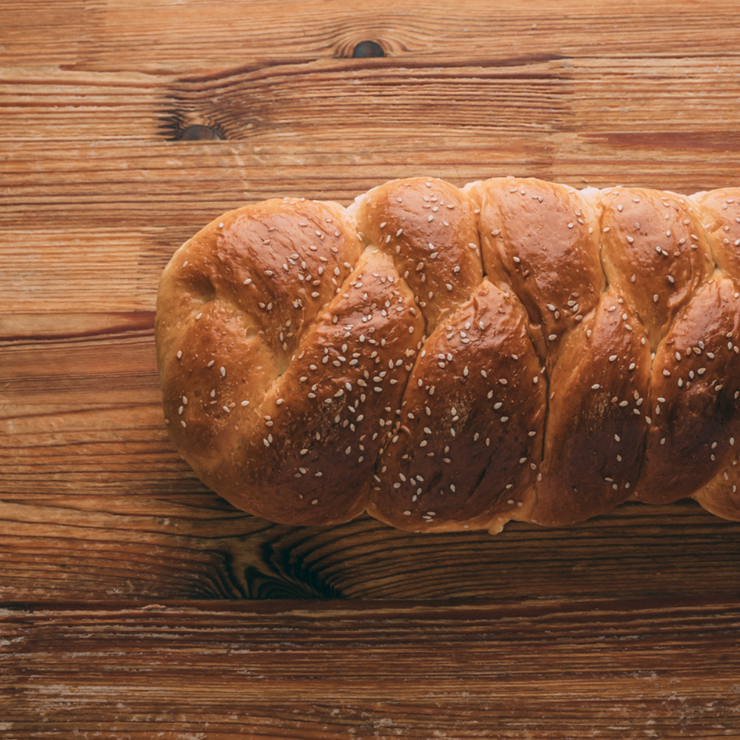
[(721, 495), (594, 440), (720, 214), (453, 359), (428, 227), (693, 407), (312, 449), (471, 422), (532, 233), (658, 235)]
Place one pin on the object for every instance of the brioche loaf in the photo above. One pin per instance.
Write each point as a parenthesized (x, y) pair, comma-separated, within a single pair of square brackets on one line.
[(453, 359)]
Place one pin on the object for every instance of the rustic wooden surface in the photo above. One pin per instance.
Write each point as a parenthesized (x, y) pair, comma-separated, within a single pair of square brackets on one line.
[(368, 669), (138, 604)]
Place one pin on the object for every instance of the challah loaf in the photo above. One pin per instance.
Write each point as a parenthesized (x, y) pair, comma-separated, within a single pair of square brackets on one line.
[(450, 359)]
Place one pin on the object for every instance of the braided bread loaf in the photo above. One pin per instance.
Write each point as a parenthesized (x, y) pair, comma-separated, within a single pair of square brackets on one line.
[(450, 359)]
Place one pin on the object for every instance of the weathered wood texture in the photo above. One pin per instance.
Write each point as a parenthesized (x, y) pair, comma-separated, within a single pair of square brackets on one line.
[(549, 671), (123, 129)]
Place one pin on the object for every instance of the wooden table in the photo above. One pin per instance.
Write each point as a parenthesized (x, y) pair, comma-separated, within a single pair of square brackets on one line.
[(136, 603)]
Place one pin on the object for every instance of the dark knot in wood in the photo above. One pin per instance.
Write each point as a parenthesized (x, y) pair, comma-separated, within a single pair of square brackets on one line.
[(198, 132), (366, 49)]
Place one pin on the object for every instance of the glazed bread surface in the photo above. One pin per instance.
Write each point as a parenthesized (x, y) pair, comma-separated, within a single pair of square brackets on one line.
[(449, 358)]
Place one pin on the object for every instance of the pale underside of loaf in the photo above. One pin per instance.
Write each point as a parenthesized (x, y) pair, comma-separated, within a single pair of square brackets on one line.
[(450, 359)]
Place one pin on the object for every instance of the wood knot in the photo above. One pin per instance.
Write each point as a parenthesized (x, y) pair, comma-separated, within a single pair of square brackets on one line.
[(367, 49), (199, 132)]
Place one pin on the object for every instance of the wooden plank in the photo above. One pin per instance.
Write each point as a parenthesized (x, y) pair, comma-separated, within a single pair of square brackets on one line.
[(526, 668), (105, 531), (201, 35), (79, 362), (306, 104), (314, 99)]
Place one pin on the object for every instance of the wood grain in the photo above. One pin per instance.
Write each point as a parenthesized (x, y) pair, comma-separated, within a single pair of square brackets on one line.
[(660, 669), (189, 544), (202, 35), (123, 129)]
